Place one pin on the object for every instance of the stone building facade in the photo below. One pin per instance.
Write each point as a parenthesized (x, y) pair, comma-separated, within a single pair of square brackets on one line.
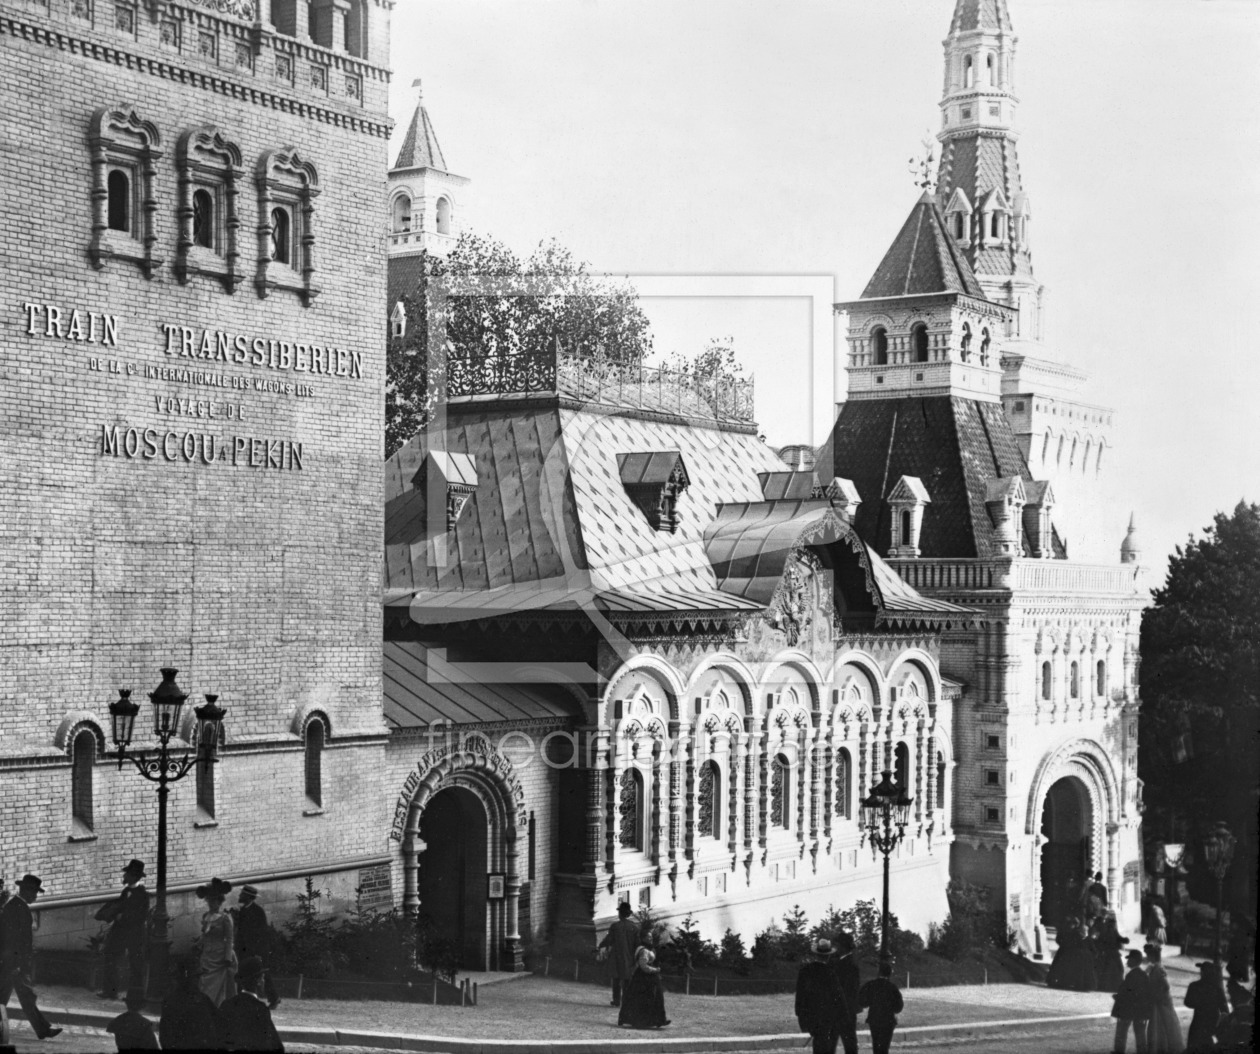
[(951, 387), (191, 345)]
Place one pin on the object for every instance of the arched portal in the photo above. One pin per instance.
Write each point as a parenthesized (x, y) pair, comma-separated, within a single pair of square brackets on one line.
[(452, 881), (1067, 851)]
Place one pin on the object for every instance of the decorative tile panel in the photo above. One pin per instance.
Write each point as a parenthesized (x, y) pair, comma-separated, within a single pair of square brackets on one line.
[(284, 68), (82, 9), (207, 45), (169, 33), (125, 18)]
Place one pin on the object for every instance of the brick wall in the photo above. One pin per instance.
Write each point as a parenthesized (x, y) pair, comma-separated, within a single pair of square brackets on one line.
[(260, 584)]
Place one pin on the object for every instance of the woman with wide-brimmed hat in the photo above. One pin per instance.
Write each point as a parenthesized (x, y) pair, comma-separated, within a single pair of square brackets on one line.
[(218, 945)]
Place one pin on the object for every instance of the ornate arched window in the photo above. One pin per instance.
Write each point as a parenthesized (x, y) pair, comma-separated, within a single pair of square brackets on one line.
[(941, 798), (901, 766), (1074, 680), (966, 336), (879, 343), (1046, 681), (969, 71), (1100, 677), (989, 71), (209, 168), (780, 800), (630, 810), (125, 151), (919, 342), (709, 801), (844, 780), (119, 208), (444, 215), (287, 187), (316, 734), (82, 762)]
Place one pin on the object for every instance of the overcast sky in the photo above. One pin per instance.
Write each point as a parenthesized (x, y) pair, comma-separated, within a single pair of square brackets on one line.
[(749, 137)]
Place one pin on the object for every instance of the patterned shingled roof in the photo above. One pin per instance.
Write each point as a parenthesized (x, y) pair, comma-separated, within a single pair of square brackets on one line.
[(956, 446), (922, 259), (980, 14), (420, 146)]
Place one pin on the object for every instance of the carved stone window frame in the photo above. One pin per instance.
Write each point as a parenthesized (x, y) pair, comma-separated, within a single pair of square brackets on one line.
[(119, 138), (206, 160), (287, 181)]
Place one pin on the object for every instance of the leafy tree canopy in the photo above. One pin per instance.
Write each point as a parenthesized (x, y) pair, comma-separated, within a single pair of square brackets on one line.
[(588, 314), (1200, 685)]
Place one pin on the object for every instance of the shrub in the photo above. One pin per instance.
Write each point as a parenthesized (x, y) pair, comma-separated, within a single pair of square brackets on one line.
[(766, 945), (378, 944), (733, 954), (793, 943), (971, 926), (688, 949), (308, 944), (437, 953)]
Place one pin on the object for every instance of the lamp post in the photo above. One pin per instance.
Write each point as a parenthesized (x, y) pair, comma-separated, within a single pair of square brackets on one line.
[(164, 768), (1218, 850), (884, 817)]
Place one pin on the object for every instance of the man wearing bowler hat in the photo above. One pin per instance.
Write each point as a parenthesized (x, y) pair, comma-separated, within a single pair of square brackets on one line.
[(253, 938), (128, 915), (17, 949)]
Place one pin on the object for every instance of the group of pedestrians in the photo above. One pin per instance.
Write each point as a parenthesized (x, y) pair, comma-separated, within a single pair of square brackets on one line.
[(636, 979), (221, 998), (830, 993), (1144, 1004)]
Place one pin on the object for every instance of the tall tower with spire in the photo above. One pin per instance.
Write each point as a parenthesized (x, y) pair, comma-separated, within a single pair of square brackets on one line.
[(1063, 434), (425, 198)]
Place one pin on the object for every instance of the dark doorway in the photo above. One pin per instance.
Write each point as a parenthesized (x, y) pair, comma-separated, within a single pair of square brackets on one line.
[(1067, 823), (452, 878)]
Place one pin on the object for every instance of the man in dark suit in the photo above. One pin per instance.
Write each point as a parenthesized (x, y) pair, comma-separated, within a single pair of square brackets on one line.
[(253, 938), (128, 916), (821, 1009), (621, 940), (244, 1020), (883, 1000), (850, 982), (17, 949), (1132, 1006)]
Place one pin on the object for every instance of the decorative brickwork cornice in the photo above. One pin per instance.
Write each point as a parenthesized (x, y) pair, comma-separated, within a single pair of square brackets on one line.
[(18, 28)]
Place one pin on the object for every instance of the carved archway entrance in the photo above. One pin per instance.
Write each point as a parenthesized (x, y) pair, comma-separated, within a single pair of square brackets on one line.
[(478, 815), (1067, 850)]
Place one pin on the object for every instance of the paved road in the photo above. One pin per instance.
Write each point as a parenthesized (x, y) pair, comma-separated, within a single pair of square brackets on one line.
[(79, 1039)]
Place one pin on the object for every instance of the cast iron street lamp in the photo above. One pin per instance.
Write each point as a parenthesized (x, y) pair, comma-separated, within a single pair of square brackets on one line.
[(165, 768), (1218, 849), (884, 817)]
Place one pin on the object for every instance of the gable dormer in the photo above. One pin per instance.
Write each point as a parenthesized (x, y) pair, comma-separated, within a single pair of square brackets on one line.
[(958, 217), (906, 501), (843, 495), (1005, 500), (1039, 500), (654, 480), (456, 473), (994, 217)]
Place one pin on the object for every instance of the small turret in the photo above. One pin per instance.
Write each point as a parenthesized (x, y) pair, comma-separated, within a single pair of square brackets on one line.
[(1131, 547)]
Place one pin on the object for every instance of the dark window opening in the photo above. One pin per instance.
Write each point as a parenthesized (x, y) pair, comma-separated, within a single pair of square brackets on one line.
[(1045, 680), (1101, 674), (533, 832), (83, 761), (940, 780), (315, 762), (844, 798), (779, 802), (966, 342), (708, 802), (203, 218), (993, 742), (995, 225), (880, 340), (1074, 679), (630, 810), (119, 189), (280, 241), (959, 229), (205, 788), (919, 342), (901, 766), (992, 778), (905, 527)]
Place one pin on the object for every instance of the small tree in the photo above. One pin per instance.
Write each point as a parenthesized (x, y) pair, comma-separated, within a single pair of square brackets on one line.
[(794, 944), (309, 940), (733, 954)]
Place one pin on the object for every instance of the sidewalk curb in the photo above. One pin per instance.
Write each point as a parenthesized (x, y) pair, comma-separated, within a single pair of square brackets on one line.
[(658, 1044)]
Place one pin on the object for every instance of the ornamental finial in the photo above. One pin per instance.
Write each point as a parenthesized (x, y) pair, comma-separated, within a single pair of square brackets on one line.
[(419, 92), (921, 166)]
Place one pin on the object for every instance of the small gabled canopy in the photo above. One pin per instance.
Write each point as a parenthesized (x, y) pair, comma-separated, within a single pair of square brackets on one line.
[(651, 468), (909, 490), (923, 259), (994, 201), (959, 202), (842, 492), (1008, 488), (1039, 492), (792, 486)]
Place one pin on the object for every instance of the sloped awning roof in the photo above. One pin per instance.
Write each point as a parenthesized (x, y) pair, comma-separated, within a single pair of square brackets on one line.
[(421, 688), (750, 543)]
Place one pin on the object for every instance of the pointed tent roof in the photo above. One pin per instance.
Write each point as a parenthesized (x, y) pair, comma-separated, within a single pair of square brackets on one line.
[(980, 14), (923, 259), (420, 146)]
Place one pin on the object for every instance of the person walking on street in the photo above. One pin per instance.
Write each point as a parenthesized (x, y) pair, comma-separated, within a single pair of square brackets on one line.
[(1206, 997), (1132, 1006), (1163, 1032), (621, 940), (128, 916), (189, 1019), (850, 983), (253, 938), (643, 1001), (820, 1005), (882, 999), (218, 945), (244, 1020), (17, 952)]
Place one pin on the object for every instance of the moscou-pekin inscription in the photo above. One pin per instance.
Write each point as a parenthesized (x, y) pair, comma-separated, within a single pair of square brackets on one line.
[(211, 347)]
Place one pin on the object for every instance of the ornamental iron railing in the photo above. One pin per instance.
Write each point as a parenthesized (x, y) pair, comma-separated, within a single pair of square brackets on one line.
[(598, 379)]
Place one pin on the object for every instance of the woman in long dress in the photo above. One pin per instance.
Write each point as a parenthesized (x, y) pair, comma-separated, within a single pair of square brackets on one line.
[(1109, 965), (1206, 997), (217, 962), (643, 1001), (1163, 1031)]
